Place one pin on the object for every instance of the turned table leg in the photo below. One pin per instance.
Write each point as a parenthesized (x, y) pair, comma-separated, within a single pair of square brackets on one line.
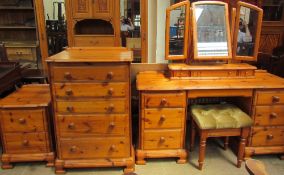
[(243, 139), (202, 148), (226, 143)]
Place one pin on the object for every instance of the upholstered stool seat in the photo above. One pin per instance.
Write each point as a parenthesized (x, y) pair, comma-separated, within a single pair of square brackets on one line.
[(219, 120), (220, 116)]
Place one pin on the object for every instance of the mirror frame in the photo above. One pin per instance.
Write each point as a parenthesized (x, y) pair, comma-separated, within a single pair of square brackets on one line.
[(257, 34), (228, 31), (186, 31)]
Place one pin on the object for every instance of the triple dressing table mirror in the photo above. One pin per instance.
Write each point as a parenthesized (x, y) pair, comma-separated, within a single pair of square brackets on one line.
[(218, 47)]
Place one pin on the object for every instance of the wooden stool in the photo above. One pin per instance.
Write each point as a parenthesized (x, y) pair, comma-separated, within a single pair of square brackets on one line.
[(221, 120)]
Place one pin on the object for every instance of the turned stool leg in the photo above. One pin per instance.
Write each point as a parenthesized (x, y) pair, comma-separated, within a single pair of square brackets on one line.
[(192, 135), (226, 143), (202, 148), (242, 145)]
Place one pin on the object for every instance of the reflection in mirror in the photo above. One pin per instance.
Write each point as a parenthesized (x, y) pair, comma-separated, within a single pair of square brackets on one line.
[(177, 22), (247, 31), (211, 30)]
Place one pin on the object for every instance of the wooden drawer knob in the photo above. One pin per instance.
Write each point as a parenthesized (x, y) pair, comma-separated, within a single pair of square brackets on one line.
[(110, 108), (110, 75), (162, 139), (275, 99), (67, 75), (68, 92), (162, 118), (273, 115), (112, 125), (112, 148), (110, 91), (70, 108), (163, 101), (71, 125), (22, 121), (73, 149), (25, 142), (269, 137)]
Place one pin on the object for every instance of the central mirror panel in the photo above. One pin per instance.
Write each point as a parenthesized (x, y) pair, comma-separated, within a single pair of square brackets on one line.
[(211, 32)]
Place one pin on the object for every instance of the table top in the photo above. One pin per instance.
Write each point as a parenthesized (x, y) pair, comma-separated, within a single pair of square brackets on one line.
[(35, 95), (93, 54), (159, 81)]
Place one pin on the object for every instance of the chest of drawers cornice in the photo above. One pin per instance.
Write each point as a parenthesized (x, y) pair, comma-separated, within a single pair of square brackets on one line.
[(91, 98)]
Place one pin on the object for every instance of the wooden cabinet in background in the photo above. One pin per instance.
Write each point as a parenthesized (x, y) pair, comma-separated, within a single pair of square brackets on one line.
[(25, 126), (91, 99), (93, 22)]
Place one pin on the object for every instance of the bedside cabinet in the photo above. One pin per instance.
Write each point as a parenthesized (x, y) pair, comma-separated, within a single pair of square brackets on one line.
[(162, 126), (25, 126), (91, 98)]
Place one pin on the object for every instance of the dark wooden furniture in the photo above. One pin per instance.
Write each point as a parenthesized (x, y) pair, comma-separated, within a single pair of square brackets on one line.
[(18, 30), (263, 101), (25, 126), (93, 22), (10, 75), (91, 98)]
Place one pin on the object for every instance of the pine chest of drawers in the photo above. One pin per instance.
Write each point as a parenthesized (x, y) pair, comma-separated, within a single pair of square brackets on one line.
[(162, 125), (91, 99), (267, 133), (25, 126)]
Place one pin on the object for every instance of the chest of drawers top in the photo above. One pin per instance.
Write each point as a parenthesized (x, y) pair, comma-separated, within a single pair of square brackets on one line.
[(28, 96), (88, 54)]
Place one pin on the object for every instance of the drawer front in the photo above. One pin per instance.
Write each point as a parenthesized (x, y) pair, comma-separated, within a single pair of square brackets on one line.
[(268, 136), (215, 73), (91, 89), (23, 120), (94, 106), (102, 73), (21, 54), (82, 125), (269, 97), (25, 142), (245, 73), (164, 118), (160, 100), (90, 148), (269, 115), (169, 139), (82, 41)]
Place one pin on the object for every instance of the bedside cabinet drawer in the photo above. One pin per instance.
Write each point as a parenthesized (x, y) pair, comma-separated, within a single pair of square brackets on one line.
[(269, 97), (90, 90), (269, 115), (160, 100), (82, 125), (263, 136), (90, 148), (169, 139), (23, 120), (25, 143), (164, 118), (93, 106), (103, 73)]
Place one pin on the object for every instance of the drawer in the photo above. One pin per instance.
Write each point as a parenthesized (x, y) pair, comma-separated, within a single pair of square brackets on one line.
[(263, 136), (82, 125), (91, 148), (16, 53), (97, 41), (167, 139), (23, 120), (93, 106), (91, 89), (164, 118), (269, 115), (245, 73), (25, 142), (161, 100), (269, 97), (97, 72), (215, 73)]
